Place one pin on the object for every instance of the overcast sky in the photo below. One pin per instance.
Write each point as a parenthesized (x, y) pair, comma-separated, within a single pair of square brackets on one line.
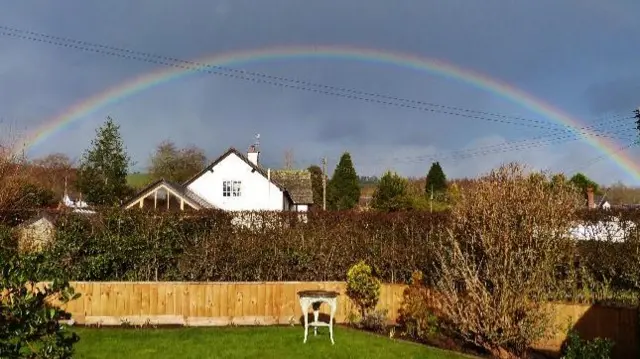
[(581, 56)]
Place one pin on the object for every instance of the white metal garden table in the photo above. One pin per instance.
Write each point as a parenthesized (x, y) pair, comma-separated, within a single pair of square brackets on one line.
[(315, 298)]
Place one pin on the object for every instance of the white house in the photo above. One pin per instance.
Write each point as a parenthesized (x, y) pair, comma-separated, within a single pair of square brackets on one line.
[(614, 230), (234, 182)]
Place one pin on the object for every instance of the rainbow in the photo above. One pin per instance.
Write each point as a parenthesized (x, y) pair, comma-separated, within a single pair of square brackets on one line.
[(80, 110)]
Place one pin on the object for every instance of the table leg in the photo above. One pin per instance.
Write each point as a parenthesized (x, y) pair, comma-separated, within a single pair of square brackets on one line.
[(305, 312), (316, 316), (333, 311)]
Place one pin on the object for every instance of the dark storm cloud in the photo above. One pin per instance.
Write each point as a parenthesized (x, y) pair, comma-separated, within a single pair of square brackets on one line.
[(614, 96), (553, 49)]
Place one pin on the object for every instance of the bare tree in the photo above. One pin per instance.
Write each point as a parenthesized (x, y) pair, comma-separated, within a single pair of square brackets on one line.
[(54, 172), (498, 263), (288, 159), (13, 169), (55, 161), (176, 164)]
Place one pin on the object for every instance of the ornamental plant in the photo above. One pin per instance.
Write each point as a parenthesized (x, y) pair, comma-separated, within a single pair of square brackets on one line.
[(363, 288), (417, 316), (577, 348)]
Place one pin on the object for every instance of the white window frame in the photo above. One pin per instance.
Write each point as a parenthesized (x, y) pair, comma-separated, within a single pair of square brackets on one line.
[(231, 188)]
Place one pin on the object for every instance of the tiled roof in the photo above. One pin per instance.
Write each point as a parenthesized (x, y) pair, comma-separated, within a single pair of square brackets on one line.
[(50, 215), (189, 194), (53, 215), (297, 183)]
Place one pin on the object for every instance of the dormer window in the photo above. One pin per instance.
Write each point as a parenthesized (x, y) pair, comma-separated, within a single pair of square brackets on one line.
[(231, 188)]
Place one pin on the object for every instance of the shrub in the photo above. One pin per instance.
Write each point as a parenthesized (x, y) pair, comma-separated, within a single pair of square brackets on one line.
[(363, 288), (8, 242), (417, 318), (29, 326), (498, 263), (375, 321), (578, 348), (391, 193)]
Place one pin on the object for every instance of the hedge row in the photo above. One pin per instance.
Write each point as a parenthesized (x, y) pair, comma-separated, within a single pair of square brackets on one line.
[(207, 246)]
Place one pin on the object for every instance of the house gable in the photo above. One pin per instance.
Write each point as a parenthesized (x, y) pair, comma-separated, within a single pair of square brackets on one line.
[(252, 186), (240, 155), (177, 197)]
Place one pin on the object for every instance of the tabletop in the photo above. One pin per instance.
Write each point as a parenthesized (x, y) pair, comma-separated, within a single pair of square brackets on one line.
[(318, 294)]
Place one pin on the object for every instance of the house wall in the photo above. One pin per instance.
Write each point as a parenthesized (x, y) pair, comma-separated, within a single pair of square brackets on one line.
[(614, 231), (257, 193)]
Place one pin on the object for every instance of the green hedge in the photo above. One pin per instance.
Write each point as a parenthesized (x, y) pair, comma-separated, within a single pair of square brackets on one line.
[(206, 246)]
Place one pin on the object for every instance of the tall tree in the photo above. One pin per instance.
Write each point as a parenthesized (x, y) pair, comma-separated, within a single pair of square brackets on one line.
[(176, 164), (391, 193), (582, 182), (436, 182), (316, 184), (102, 175), (343, 190)]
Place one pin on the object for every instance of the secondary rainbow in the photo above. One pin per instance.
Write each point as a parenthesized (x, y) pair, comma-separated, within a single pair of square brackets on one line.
[(80, 110)]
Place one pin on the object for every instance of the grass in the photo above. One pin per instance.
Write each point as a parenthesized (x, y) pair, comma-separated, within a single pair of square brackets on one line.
[(245, 342)]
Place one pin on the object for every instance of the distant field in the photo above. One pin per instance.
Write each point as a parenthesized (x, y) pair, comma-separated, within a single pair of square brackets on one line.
[(138, 180)]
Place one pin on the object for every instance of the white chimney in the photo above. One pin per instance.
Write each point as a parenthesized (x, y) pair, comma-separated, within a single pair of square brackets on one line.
[(253, 155)]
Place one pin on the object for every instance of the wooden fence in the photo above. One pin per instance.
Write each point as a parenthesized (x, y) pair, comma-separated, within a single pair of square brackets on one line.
[(271, 303), (184, 303)]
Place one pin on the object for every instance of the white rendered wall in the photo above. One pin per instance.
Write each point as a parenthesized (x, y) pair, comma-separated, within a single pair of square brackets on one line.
[(257, 193)]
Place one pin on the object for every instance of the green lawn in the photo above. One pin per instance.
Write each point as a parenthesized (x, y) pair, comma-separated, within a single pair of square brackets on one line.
[(245, 342)]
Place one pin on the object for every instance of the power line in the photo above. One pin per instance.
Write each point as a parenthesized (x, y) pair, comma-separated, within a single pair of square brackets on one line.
[(474, 153), (322, 89), (597, 159), (258, 77), (510, 146)]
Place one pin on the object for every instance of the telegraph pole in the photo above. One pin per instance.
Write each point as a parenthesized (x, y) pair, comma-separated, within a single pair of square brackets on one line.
[(637, 116), (324, 183), (431, 201)]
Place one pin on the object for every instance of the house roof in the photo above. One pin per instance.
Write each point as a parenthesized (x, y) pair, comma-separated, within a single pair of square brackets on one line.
[(297, 182), (243, 157), (50, 216), (626, 206), (182, 191)]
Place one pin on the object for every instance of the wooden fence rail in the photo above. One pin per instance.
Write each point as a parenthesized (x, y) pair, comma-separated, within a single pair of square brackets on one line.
[(270, 303)]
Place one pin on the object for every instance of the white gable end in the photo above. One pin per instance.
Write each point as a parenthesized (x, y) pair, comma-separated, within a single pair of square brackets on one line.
[(233, 185)]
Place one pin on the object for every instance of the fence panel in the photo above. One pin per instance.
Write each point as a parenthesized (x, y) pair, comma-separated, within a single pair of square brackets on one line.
[(271, 303)]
